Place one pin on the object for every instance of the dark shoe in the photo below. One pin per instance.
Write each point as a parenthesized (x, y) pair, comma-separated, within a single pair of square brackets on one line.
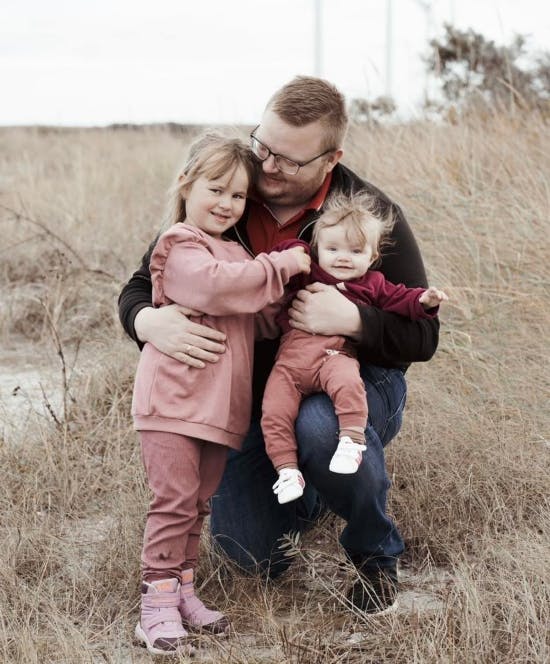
[(375, 591)]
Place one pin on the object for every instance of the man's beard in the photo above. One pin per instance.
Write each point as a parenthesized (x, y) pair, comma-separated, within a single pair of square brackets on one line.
[(279, 191)]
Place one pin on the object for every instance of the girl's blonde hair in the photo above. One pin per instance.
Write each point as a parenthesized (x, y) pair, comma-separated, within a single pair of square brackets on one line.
[(211, 155), (361, 216)]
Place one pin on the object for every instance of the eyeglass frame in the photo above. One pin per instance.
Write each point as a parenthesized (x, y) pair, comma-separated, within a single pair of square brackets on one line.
[(270, 153)]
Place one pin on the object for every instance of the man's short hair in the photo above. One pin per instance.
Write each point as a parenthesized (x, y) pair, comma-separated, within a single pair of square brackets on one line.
[(306, 99)]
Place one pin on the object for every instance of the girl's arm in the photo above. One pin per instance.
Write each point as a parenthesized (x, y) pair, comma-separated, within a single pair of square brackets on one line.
[(184, 271)]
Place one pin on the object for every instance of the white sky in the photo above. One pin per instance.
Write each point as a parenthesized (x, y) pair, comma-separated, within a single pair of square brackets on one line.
[(94, 62)]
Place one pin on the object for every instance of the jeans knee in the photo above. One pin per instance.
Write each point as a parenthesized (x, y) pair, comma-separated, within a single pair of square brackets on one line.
[(316, 425)]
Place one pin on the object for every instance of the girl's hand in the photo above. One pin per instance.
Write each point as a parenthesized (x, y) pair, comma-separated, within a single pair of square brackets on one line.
[(304, 259), (432, 297)]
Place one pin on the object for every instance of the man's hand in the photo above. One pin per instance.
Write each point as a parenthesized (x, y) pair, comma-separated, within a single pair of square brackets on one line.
[(322, 309), (171, 332)]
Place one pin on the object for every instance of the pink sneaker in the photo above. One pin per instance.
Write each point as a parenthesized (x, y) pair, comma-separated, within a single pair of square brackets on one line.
[(160, 629), (195, 616)]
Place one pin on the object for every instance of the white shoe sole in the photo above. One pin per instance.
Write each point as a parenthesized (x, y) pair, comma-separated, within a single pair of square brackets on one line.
[(142, 638), (288, 496), (343, 469)]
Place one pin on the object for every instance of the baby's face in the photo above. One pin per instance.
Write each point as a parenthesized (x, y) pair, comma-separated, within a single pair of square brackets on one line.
[(340, 258)]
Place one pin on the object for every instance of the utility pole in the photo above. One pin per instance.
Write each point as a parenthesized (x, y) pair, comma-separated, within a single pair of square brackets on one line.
[(426, 5), (318, 38)]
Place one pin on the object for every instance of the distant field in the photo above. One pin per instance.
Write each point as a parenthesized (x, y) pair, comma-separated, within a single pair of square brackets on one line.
[(470, 468)]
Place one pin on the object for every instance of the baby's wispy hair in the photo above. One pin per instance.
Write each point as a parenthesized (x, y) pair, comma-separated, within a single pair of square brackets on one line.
[(362, 217)]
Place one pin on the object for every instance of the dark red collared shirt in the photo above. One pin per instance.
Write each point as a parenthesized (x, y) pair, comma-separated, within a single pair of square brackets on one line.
[(263, 228)]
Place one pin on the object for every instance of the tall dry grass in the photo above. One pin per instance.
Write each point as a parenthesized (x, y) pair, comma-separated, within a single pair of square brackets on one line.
[(470, 468)]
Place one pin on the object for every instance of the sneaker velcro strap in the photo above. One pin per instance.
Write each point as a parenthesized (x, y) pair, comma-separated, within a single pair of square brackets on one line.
[(160, 601)]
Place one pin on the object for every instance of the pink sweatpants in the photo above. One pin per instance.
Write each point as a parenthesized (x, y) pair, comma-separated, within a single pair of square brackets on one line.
[(307, 364), (183, 473)]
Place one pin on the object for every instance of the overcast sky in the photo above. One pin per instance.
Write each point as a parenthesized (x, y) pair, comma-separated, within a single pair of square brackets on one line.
[(94, 62)]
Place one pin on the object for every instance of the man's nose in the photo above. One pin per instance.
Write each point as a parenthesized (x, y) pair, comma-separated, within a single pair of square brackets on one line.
[(269, 165)]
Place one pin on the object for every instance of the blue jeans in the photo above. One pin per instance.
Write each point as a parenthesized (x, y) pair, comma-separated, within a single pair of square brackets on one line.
[(247, 522)]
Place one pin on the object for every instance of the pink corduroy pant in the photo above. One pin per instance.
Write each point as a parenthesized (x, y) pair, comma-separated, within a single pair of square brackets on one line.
[(307, 364), (183, 473)]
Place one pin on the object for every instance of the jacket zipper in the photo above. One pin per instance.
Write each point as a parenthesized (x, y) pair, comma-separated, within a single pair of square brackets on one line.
[(304, 228), (243, 243)]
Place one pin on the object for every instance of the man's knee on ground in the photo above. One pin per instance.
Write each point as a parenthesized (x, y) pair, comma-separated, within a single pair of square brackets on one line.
[(270, 565)]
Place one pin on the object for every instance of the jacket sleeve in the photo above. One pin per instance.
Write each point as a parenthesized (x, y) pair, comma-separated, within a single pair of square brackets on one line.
[(135, 295), (400, 299), (389, 339), (184, 271)]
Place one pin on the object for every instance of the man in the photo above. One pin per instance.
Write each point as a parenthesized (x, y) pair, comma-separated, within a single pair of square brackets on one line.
[(298, 144)]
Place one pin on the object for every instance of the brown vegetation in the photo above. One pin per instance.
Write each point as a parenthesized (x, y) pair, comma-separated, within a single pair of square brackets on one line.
[(470, 468)]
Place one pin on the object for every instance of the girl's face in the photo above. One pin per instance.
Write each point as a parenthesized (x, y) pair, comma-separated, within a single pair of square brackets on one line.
[(213, 206)]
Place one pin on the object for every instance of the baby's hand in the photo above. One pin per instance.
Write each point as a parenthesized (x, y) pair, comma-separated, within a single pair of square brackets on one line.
[(304, 260), (432, 297)]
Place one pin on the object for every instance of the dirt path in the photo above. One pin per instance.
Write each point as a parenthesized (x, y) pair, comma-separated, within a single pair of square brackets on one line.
[(31, 385)]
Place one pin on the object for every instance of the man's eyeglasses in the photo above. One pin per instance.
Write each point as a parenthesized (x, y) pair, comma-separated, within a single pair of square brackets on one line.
[(284, 164)]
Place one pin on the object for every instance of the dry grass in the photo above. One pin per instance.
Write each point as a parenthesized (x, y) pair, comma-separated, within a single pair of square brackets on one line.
[(470, 467)]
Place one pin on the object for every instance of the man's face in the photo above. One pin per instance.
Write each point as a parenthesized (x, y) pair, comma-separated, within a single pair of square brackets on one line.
[(298, 144)]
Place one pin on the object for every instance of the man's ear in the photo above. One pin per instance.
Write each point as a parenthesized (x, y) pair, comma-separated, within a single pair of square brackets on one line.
[(333, 159)]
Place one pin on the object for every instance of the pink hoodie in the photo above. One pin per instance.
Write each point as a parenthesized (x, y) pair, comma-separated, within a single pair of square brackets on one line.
[(219, 278)]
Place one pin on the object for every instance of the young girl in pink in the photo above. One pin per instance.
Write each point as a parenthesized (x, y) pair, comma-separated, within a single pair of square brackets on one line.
[(187, 418)]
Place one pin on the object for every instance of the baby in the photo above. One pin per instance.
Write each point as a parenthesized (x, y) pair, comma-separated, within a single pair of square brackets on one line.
[(345, 243)]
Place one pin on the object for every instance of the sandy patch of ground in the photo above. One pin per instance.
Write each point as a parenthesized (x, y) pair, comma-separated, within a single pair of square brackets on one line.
[(35, 382), (30, 386)]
